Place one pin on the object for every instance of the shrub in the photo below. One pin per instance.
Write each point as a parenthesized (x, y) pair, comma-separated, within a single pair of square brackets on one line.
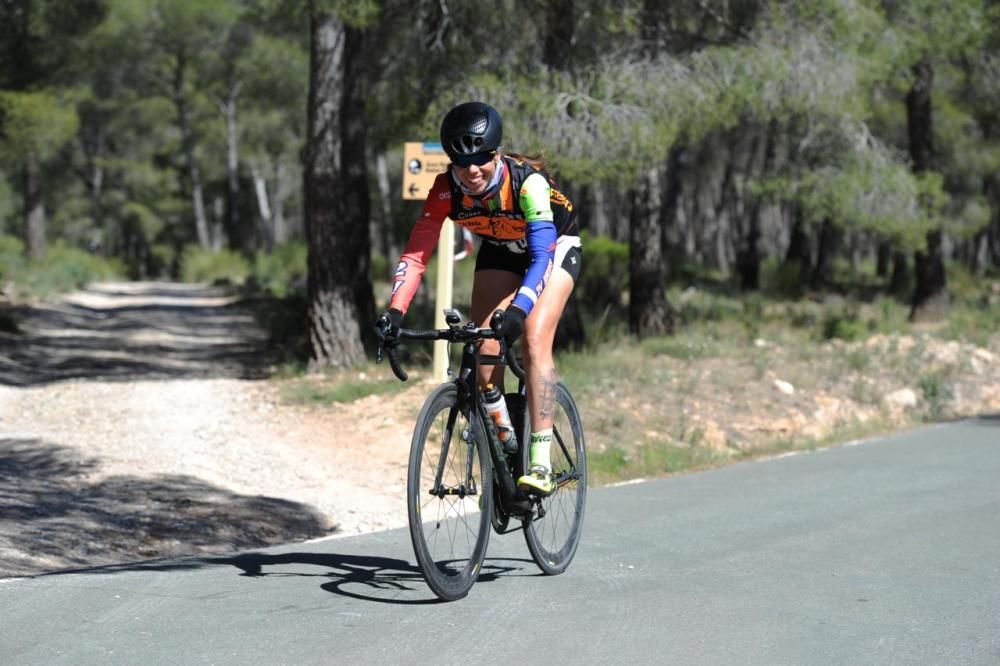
[(604, 276), (845, 325), (278, 272), (223, 267), (937, 392), (11, 257), (782, 279), (63, 268)]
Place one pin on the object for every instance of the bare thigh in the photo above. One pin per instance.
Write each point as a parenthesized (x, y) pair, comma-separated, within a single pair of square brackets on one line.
[(492, 290)]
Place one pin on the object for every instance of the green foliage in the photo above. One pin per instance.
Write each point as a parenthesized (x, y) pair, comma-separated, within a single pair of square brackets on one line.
[(843, 324), (62, 269), (280, 272), (604, 276), (937, 392), (782, 279), (12, 260), (222, 267), (34, 124)]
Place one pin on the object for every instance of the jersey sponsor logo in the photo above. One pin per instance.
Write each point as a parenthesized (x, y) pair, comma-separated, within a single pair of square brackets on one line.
[(559, 199), (545, 278), (500, 227), (445, 195)]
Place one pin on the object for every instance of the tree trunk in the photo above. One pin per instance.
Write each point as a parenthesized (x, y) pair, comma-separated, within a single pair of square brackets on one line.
[(899, 281), (883, 260), (928, 264), (557, 49), (187, 143), (650, 313), (92, 145), (749, 257), (979, 253), (229, 108), (282, 186), (928, 267), (799, 252), (994, 240), (34, 208), (826, 250), (265, 226), (336, 195), (384, 233), (600, 224), (671, 238)]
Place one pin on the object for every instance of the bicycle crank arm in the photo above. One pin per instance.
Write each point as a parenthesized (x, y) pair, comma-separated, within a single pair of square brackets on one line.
[(461, 491)]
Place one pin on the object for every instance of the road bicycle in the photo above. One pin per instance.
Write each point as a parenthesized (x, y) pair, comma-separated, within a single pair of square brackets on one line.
[(461, 481)]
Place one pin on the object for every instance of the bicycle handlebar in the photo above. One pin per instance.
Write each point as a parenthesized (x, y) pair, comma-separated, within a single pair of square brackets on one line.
[(456, 334)]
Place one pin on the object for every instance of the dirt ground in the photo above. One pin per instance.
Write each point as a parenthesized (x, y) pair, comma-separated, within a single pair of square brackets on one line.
[(135, 423)]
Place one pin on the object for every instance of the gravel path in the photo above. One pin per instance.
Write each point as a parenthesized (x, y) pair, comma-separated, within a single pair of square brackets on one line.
[(135, 422)]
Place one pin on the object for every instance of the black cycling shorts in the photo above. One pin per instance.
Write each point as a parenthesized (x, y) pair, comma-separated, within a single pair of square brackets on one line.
[(500, 257)]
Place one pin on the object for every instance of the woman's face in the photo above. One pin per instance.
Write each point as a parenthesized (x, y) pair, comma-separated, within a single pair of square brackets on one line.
[(476, 178)]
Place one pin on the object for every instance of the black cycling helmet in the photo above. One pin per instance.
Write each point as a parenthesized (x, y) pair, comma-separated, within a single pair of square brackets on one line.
[(471, 133)]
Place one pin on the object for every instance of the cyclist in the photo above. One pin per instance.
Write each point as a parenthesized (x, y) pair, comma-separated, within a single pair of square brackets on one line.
[(527, 264)]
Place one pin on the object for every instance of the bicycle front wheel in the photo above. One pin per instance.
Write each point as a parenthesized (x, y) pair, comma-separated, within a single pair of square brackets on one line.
[(554, 533), (449, 494)]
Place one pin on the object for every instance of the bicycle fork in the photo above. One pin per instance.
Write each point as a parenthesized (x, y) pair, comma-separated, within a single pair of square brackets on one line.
[(468, 487)]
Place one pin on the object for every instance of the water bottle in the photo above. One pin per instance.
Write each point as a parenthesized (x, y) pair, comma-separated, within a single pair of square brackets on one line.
[(496, 407)]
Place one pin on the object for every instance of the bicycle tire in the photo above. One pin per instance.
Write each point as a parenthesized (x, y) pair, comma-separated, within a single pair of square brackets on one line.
[(553, 539), (449, 532)]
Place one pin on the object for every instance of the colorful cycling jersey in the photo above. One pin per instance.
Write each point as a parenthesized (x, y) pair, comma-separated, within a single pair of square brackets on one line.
[(529, 222)]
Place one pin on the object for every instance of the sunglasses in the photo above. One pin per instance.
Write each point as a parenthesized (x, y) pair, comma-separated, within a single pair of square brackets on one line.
[(477, 159)]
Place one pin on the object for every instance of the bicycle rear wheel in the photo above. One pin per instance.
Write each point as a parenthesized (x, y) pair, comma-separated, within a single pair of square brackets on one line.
[(552, 539), (449, 494)]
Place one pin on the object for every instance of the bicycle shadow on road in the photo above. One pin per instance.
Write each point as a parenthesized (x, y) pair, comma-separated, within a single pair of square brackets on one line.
[(365, 577), (371, 578), (58, 512)]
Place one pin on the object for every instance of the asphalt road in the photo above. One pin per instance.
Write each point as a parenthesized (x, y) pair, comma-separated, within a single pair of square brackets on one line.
[(882, 553)]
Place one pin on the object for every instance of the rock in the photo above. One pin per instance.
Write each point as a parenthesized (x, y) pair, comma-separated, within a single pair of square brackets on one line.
[(784, 387), (713, 437), (877, 341), (981, 359), (898, 401), (944, 353)]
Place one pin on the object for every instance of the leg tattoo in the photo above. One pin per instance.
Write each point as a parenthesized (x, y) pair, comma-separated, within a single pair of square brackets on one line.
[(547, 405)]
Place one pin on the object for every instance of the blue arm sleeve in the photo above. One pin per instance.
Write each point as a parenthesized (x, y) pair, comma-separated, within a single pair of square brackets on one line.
[(541, 235), (541, 245)]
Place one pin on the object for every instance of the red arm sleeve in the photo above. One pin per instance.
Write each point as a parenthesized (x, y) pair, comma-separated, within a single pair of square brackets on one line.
[(420, 246)]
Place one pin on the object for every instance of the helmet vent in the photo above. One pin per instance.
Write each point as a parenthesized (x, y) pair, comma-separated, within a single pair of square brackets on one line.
[(480, 126)]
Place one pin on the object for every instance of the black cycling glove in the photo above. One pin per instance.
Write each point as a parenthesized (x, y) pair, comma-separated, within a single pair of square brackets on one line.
[(387, 325), (513, 324)]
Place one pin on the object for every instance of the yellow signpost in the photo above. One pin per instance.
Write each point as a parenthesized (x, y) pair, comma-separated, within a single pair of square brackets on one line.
[(422, 162)]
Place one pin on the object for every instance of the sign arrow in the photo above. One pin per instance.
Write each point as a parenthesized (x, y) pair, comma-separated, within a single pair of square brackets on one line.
[(413, 189)]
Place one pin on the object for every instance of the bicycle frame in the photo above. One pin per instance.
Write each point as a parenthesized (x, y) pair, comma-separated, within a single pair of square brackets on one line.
[(512, 500)]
